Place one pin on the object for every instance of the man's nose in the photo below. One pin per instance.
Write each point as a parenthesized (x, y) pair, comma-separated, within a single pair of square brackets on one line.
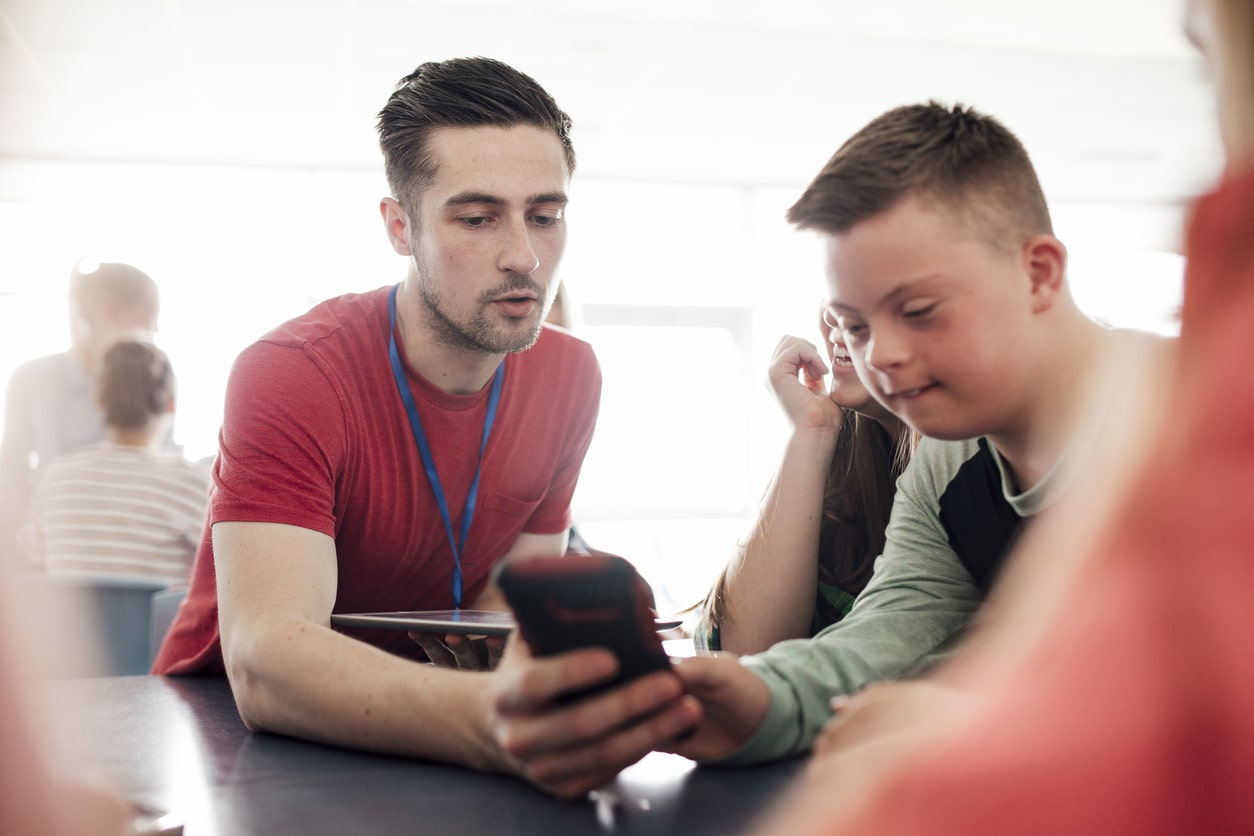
[(518, 255)]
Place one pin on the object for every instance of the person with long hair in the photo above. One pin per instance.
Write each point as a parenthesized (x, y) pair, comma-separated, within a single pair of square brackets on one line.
[(821, 524)]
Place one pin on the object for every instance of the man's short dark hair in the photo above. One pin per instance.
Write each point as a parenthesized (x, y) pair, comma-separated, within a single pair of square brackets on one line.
[(963, 161), (458, 93)]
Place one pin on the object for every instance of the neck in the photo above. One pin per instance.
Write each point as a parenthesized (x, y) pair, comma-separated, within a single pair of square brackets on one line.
[(1059, 396), (456, 370), (142, 438)]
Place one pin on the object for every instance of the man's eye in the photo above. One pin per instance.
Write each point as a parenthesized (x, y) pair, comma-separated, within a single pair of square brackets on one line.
[(476, 221), (546, 220)]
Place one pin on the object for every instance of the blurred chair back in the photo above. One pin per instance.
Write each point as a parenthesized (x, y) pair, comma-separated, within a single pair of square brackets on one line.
[(165, 605), (114, 614)]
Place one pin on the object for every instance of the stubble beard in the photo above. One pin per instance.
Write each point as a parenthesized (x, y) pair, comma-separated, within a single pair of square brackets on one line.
[(478, 333)]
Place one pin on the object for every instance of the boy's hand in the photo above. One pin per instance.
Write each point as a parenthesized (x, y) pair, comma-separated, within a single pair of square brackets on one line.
[(733, 703)]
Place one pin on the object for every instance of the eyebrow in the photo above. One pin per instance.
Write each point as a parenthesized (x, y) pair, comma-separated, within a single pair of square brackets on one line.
[(899, 290), (464, 198)]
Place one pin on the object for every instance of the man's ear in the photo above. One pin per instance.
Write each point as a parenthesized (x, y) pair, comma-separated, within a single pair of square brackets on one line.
[(1045, 260), (396, 225)]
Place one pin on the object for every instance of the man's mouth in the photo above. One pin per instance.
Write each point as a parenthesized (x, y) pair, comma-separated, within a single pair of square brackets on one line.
[(517, 296), (517, 304)]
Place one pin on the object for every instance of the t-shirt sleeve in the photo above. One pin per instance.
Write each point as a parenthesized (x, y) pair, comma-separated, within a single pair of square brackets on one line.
[(282, 441), (584, 402), (918, 601)]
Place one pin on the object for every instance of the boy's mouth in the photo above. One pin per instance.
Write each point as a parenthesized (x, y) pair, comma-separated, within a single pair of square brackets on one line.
[(910, 394)]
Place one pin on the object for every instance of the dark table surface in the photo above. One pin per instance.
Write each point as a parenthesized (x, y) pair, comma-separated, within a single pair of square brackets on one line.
[(178, 744)]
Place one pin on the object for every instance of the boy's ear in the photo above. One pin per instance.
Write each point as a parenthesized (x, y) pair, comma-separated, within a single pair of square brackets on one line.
[(1045, 259)]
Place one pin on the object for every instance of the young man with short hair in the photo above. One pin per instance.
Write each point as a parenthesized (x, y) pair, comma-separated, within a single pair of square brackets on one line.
[(385, 450)]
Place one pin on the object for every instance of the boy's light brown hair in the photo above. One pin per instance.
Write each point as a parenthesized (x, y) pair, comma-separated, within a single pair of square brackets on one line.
[(963, 162)]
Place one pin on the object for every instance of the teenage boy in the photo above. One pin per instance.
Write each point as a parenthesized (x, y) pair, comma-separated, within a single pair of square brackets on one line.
[(949, 287), (385, 450)]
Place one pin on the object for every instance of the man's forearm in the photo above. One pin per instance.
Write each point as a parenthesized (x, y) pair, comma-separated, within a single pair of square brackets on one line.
[(307, 681)]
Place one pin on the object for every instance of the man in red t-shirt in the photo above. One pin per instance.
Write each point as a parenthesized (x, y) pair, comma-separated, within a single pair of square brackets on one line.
[(386, 449)]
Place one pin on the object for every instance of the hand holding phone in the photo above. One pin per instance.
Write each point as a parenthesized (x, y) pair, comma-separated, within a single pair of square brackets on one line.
[(599, 600)]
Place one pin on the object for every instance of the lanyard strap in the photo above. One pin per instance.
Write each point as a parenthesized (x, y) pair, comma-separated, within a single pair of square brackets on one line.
[(415, 423)]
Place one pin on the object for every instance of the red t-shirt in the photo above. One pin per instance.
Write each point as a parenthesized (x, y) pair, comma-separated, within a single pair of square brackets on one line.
[(315, 435)]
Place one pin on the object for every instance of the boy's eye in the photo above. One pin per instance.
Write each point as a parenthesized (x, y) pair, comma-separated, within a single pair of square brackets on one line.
[(918, 310), (853, 331)]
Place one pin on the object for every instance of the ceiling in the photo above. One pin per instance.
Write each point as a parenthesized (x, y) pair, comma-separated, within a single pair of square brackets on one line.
[(1106, 94)]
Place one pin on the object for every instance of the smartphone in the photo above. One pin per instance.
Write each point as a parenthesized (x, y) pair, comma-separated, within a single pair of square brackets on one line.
[(597, 600)]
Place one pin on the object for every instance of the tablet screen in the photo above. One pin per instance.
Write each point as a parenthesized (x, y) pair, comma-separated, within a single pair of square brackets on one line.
[(468, 622)]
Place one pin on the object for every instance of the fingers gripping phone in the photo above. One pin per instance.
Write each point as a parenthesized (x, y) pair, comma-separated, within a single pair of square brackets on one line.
[(599, 600)]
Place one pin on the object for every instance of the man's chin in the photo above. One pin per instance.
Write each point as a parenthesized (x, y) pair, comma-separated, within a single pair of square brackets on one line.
[(512, 341)]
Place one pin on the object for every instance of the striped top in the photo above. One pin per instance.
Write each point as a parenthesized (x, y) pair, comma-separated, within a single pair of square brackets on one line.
[(120, 511)]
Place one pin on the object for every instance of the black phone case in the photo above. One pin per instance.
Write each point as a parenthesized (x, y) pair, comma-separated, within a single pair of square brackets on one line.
[(563, 603)]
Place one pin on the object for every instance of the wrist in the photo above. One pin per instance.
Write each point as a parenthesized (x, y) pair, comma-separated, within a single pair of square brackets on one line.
[(484, 738), (818, 441)]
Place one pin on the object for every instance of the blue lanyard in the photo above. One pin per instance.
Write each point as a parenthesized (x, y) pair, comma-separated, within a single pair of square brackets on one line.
[(468, 513)]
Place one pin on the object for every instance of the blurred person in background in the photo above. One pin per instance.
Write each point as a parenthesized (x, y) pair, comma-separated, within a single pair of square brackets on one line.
[(50, 404), (122, 508), (1110, 689)]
